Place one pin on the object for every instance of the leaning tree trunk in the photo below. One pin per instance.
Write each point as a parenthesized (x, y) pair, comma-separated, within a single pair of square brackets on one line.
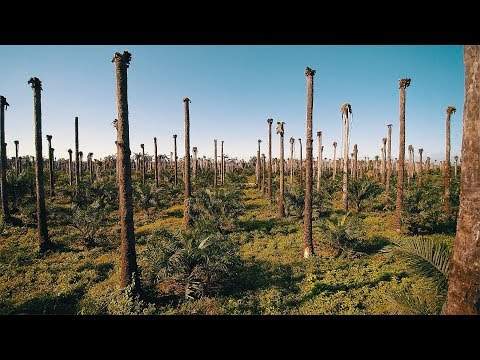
[(389, 160), (403, 84), (186, 163), (281, 208), (345, 110), (307, 217), (446, 179), (3, 161), (128, 270), (156, 161), (42, 230), (463, 295), (269, 168)]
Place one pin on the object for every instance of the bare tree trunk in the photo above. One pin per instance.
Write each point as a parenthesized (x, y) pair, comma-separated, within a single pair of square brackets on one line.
[(70, 167), (464, 281), (143, 163), (389, 160), (345, 110), (17, 160), (42, 230), (292, 143), (263, 174), (307, 218), (187, 182), (215, 168), (456, 161), (222, 164), (269, 182), (3, 161), (156, 161), (319, 165), (355, 162), (281, 208), (420, 152), (175, 158), (403, 84), (257, 166), (301, 162), (446, 180), (334, 159), (128, 270), (384, 161)]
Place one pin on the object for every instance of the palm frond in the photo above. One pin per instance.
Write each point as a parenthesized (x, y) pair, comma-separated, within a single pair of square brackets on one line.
[(425, 257)]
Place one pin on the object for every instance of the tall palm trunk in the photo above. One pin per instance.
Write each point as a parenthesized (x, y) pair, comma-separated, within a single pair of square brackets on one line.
[(334, 159), (292, 144), (410, 167), (257, 166), (222, 164), (403, 84), (456, 162), (156, 161), (269, 167), (301, 162), (90, 167), (143, 163), (281, 208), (427, 170), (263, 174), (446, 179), (51, 166), (319, 164), (307, 217), (17, 159), (463, 295), (42, 230), (187, 182), (420, 170), (77, 159), (3, 161), (70, 167), (346, 109), (175, 158), (195, 161), (355, 162), (128, 270), (215, 167), (389, 160), (384, 161)]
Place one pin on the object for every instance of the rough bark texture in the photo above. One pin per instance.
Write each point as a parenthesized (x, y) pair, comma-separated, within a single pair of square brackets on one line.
[(281, 208), (292, 144), (3, 161), (384, 160), (17, 163), (463, 295), (77, 159), (128, 270), (263, 174), (188, 185), (307, 218), (155, 150), (446, 179), (269, 170), (403, 84), (389, 158), (143, 163), (355, 162), (195, 161), (222, 164), (42, 230)]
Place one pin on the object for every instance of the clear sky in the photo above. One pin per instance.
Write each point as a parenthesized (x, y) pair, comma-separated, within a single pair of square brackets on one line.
[(234, 89)]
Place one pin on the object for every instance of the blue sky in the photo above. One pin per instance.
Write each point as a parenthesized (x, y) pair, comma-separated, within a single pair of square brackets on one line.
[(234, 89)]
